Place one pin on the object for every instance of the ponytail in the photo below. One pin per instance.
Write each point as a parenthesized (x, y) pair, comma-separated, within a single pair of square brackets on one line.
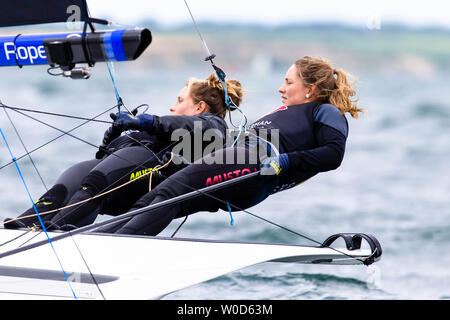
[(332, 85), (341, 95)]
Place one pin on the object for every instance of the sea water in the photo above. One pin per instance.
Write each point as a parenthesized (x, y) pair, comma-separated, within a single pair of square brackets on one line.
[(394, 181)]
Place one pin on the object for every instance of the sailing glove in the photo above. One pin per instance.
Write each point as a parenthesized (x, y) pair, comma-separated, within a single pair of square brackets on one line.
[(274, 165), (127, 121), (111, 133)]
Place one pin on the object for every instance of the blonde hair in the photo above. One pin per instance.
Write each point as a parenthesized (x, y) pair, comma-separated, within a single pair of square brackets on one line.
[(212, 93), (332, 85)]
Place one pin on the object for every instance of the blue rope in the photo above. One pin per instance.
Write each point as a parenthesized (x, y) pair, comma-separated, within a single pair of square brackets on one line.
[(231, 216), (225, 89), (228, 102), (35, 209), (116, 91)]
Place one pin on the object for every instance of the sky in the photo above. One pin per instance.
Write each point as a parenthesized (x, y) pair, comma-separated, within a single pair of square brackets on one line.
[(370, 14)]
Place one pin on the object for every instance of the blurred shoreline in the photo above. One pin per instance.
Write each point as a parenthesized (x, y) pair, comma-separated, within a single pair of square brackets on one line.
[(388, 49), (422, 52)]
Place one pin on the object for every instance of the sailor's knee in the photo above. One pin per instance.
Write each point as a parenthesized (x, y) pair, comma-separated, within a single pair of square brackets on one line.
[(95, 181)]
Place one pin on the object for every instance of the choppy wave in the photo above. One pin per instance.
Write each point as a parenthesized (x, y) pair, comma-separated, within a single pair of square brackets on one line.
[(266, 283)]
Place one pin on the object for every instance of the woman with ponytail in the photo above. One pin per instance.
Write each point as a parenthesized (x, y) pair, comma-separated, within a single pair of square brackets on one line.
[(128, 166), (327, 84), (312, 132)]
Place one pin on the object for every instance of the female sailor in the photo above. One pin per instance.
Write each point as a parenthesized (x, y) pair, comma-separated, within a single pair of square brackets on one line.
[(312, 131), (127, 166)]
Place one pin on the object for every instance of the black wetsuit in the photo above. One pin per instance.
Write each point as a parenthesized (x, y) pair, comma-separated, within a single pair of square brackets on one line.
[(127, 158), (313, 135)]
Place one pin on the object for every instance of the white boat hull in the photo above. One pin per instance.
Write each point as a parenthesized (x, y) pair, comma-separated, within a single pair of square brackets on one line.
[(134, 267)]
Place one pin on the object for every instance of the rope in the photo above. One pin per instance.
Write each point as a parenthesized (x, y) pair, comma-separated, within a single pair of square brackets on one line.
[(205, 47), (179, 227), (113, 80), (231, 215)]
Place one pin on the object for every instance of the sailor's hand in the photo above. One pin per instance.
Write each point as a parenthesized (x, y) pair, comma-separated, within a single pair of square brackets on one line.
[(113, 132), (274, 165), (127, 121)]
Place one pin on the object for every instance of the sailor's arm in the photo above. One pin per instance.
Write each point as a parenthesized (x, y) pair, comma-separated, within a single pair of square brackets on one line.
[(166, 125), (327, 156), (331, 132)]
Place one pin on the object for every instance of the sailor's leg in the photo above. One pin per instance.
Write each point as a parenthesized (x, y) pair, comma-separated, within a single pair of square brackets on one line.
[(112, 172), (139, 180), (56, 197), (194, 177)]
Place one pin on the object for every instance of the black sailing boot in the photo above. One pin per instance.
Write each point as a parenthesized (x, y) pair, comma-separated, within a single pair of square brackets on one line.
[(50, 201)]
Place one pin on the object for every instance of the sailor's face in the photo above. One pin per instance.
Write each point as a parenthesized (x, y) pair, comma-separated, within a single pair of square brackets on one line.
[(184, 106), (293, 90)]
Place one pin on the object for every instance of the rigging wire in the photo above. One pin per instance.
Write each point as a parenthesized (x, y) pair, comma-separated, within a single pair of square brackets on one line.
[(89, 269), (56, 138), (26, 150), (55, 114), (112, 72), (15, 238), (221, 76), (64, 132), (31, 238), (205, 47), (179, 227), (60, 130), (39, 217)]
